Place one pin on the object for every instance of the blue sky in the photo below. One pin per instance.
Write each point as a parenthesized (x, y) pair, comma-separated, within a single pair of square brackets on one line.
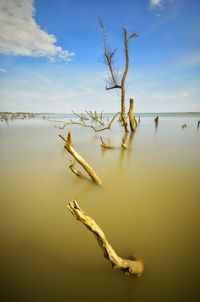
[(51, 55)]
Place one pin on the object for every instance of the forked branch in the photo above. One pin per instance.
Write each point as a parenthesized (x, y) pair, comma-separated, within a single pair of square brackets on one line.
[(80, 160), (129, 267)]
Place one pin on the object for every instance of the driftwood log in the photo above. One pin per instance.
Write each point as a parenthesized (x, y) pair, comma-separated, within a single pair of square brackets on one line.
[(129, 267), (69, 147)]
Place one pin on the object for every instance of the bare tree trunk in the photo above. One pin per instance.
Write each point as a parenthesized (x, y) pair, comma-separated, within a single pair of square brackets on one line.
[(123, 108), (130, 115), (129, 267)]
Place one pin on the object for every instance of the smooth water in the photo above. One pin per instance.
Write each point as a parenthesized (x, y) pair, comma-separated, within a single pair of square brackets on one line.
[(148, 206)]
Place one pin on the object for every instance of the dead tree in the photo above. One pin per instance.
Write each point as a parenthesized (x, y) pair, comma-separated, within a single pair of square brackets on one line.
[(115, 81), (130, 267)]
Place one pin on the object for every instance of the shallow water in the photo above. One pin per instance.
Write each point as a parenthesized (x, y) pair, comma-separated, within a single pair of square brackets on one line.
[(148, 206)]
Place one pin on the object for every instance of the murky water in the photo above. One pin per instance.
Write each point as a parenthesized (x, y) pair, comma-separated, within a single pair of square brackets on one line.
[(148, 206)]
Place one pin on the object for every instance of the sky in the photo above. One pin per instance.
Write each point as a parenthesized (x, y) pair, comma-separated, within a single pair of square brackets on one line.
[(51, 55)]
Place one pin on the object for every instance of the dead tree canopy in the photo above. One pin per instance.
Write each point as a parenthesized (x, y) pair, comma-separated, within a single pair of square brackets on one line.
[(115, 80)]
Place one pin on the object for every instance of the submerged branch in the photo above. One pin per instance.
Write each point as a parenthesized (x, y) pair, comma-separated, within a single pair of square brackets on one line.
[(80, 160), (104, 145), (129, 267), (75, 171)]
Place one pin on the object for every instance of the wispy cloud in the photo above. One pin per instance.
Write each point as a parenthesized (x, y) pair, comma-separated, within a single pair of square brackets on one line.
[(21, 35), (156, 3), (3, 70), (189, 61)]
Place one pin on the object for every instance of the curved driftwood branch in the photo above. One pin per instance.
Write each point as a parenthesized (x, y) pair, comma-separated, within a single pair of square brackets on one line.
[(80, 160), (82, 123), (130, 267)]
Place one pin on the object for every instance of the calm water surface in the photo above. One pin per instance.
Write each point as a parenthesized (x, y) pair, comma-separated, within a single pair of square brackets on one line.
[(148, 206)]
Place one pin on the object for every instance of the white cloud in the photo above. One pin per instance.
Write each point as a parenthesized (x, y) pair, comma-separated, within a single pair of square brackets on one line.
[(21, 35), (156, 3), (3, 70)]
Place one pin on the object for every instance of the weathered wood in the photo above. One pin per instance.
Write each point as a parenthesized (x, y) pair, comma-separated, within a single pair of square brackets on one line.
[(80, 159), (130, 115), (123, 144), (105, 145), (130, 267), (82, 123)]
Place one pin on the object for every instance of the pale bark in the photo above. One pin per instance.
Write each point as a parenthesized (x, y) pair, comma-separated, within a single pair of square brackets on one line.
[(80, 160), (130, 267)]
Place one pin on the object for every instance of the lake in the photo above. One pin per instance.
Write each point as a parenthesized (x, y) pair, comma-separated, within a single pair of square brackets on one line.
[(148, 205)]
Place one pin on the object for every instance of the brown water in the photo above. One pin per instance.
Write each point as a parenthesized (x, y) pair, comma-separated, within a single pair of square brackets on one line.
[(148, 206)]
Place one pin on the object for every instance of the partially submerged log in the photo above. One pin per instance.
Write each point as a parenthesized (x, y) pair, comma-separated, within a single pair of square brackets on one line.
[(184, 126), (105, 145), (130, 267), (156, 120), (130, 115), (80, 160), (108, 146), (123, 144)]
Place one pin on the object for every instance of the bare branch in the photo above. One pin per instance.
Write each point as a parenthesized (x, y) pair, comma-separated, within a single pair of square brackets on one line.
[(129, 267), (80, 116), (134, 35), (108, 127), (113, 87), (79, 159)]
